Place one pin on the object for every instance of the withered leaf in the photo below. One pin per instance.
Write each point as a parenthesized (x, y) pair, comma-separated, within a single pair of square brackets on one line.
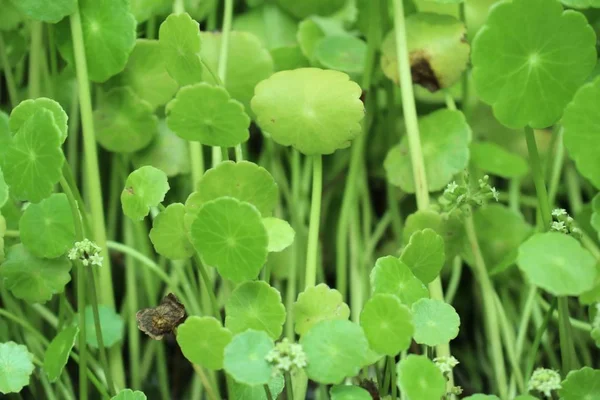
[(162, 319)]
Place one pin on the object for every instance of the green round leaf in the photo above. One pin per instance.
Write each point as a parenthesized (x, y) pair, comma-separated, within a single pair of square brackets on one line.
[(420, 379), (230, 236), (304, 8), (128, 394), (47, 228), (343, 53), (308, 36), (26, 109), (3, 190), (109, 32), (316, 304), (167, 152), (58, 352), (255, 305), (33, 279), (249, 62), (168, 234), (124, 122), (293, 108), (500, 232), (146, 74), (16, 366), (424, 254), (392, 276), (388, 324), (494, 159), (581, 3), (111, 324), (11, 16), (581, 126), (480, 396), (437, 48), (243, 180), (436, 322), (450, 228), (335, 349), (203, 340), (269, 23), (281, 234), (245, 358), (525, 397), (524, 69), (581, 384), (179, 38), (557, 263), (349, 392), (47, 11), (206, 114), (144, 188), (288, 57), (445, 137), (33, 163), (247, 392)]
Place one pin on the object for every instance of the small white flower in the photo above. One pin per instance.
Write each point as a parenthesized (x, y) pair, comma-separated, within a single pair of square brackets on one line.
[(445, 364), (87, 252), (495, 193), (544, 381), (96, 259), (452, 186), (558, 226), (285, 356), (557, 212)]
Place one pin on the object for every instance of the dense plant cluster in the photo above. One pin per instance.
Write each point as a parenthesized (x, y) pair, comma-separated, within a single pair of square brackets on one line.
[(299, 199)]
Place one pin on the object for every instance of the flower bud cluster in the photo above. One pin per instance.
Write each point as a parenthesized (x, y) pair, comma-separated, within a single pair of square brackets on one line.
[(461, 196), (544, 381), (286, 356), (564, 223), (87, 252)]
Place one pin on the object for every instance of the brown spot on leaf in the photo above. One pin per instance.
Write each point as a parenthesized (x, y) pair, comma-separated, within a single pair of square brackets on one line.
[(421, 71), (129, 190), (162, 319)]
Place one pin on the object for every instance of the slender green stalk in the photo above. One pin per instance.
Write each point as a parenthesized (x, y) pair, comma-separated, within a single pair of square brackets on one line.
[(178, 7), (393, 384), (410, 110), (527, 309), (573, 188), (531, 356), (289, 388), (290, 295), (8, 75), (133, 337), (509, 340), (208, 286), (567, 346), (457, 266), (514, 193), (393, 206), (315, 219), (36, 52), (490, 314)]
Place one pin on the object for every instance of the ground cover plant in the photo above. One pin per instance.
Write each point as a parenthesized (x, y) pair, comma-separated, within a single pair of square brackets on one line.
[(285, 199)]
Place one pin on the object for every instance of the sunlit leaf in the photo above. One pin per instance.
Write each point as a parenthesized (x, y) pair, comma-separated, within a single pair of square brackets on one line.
[(269, 23), (448, 227), (203, 340), (27, 108), (494, 159), (247, 392), (302, 9), (292, 108), (392, 276), (16, 367), (168, 234), (343, 53), (281, 234), (245, 358), (47, 11), (58, 352), (436, 322), (144, 188), (128, 394), (179, 38), (420, 379), (335, 349), (424, 254), (316, 304), (348, 392), (581, 384), (111, 323)]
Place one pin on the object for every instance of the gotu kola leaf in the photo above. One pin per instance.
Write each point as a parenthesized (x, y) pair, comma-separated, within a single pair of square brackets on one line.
[(27, 108), (168, 234), (247, 392), (388, 324), (144, 188), (111, 325), (302, 9), (108, 37), (392, 276), (179, 38), (230, 236), (16, 366), (557, 263), (255, 305), (281, 234), (335, 349), (243, 180), (424, 254), (420, 379), (316, 304), (46, 11), (124, 122), (203, 340), (128, 394), (293, 108), (349, 392), (58, 352), (495, 160), (436, 322), (582, 131), (437, 48), (344, 53), (245, 358), (33, 162), (206, 114), (33, 279), (270, 24), (449, 227), (583, 383), (529, 59), (445, 138), (46, 228)]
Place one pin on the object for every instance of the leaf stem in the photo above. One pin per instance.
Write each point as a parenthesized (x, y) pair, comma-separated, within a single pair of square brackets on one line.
[(268, 392), (289, 388), (8, 74), (393, 383), (490, 314), (35, 60), (538, 338), (208, 286), (315, 219)]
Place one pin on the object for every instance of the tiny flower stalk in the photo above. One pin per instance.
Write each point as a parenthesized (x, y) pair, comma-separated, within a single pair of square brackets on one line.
[(315, 218)]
